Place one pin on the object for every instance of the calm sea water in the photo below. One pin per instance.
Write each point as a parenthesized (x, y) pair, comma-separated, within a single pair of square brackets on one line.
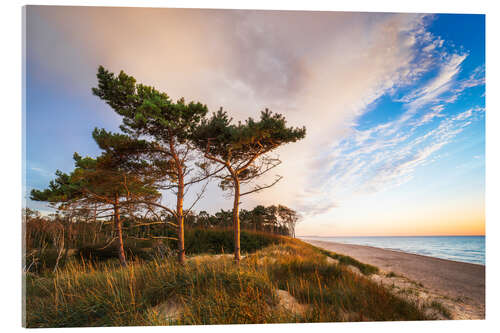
[(458, 248)]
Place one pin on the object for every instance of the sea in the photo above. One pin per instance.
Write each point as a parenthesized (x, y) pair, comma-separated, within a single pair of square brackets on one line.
[(469, 249)]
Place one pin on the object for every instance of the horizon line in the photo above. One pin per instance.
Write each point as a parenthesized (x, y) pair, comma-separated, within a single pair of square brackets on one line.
[(474, 235)]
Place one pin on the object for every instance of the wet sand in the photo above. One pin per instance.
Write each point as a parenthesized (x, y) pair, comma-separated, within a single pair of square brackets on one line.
[(458, 281)]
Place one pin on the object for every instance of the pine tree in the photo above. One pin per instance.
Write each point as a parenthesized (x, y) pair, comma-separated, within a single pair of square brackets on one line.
[(151, 114), (114, 181), (243, 150)]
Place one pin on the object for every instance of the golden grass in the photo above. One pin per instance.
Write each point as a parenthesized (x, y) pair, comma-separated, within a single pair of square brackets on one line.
[(211, 291)]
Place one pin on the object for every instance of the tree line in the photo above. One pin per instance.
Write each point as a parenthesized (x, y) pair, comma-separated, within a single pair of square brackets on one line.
[(279, 220), (168, 146), (65, 230)]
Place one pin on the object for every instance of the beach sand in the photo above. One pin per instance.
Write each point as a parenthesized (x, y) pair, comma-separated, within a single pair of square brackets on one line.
[(461, 286)]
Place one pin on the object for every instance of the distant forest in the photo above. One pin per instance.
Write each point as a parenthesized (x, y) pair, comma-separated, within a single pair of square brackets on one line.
[(76, 229)]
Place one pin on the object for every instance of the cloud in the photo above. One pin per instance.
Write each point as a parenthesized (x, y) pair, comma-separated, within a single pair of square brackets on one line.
[(387, 161), (321, 69), (40, 170), (375, 60), (429, 116), (476, 78), (387, 155), (440, 84)]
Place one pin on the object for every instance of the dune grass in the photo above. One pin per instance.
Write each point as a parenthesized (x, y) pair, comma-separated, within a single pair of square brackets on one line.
[(366, 269), (211, 290), (441, 309)]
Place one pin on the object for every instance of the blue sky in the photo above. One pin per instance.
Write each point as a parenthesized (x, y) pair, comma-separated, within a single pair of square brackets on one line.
[(394, 104)]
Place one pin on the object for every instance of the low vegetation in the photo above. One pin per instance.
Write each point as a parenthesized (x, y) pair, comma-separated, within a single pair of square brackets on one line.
[(346, 260), (43, 259), (212, 289), (441, 309)]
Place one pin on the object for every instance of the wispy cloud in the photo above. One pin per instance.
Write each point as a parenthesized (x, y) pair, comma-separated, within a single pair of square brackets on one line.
[(40, 171), (380, 158), (388, 154), (436, 87)]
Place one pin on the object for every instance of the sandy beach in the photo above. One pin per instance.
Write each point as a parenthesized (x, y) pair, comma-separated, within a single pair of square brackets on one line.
[(460, 285)]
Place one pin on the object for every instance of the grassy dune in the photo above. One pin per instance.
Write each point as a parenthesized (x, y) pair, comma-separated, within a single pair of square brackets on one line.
[(213, 290)]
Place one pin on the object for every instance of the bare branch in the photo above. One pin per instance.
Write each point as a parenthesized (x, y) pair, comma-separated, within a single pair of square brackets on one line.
[(156, 205), (198, 197), (206, 176), (152, 237), (257, 154), (259, 188), (108, 244), (146, 224)]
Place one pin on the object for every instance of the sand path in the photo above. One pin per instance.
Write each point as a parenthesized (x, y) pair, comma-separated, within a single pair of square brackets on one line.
[(456, 280)]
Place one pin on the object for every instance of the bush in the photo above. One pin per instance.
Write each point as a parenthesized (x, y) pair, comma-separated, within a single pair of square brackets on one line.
[(40, 260), (103, 252), (198, 240), (222, 241)]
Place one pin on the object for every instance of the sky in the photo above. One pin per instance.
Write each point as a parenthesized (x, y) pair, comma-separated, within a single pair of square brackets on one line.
[(394, 104)]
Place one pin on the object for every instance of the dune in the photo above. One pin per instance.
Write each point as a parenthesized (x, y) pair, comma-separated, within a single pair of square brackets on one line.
[(461, 285)]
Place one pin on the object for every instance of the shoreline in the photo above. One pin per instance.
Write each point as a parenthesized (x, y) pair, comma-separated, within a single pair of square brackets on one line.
[(460, 284), (311, 239), (319, 239)]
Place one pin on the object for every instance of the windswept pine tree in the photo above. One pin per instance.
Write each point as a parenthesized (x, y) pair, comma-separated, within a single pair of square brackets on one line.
[(150, 114), (289, 218), (243, 150), (114, 181)]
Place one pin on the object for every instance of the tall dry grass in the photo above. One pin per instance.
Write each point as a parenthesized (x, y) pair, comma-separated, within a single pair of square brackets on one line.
[(211, 290)]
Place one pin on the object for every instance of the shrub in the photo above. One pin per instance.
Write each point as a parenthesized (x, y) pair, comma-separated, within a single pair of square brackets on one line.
[(198, 240), (40, 260), (103, 252), (222, 241)]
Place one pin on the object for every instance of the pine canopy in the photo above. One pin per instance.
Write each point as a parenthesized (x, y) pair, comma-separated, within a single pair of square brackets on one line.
[(145, 110), (219, 137)]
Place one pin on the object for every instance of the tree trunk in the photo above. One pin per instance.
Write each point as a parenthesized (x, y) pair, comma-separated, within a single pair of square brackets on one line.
[(95, 224), (57, 242), (118, 227), (67, 233), (180, 222), (180, 199), (236, 219)]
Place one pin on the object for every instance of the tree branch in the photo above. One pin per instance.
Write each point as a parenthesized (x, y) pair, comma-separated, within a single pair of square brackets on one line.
[(259, 188), (198, 197), (156, 205)]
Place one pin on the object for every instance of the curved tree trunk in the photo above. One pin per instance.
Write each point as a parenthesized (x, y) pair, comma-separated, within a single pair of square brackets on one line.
[(180, 201), (236, 219), (180, 222), (67, 234), (119, 234)]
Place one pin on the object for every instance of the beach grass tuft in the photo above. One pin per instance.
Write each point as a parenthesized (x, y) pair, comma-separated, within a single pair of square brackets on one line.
[(366, 269), (391, 275), (441, 309)]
